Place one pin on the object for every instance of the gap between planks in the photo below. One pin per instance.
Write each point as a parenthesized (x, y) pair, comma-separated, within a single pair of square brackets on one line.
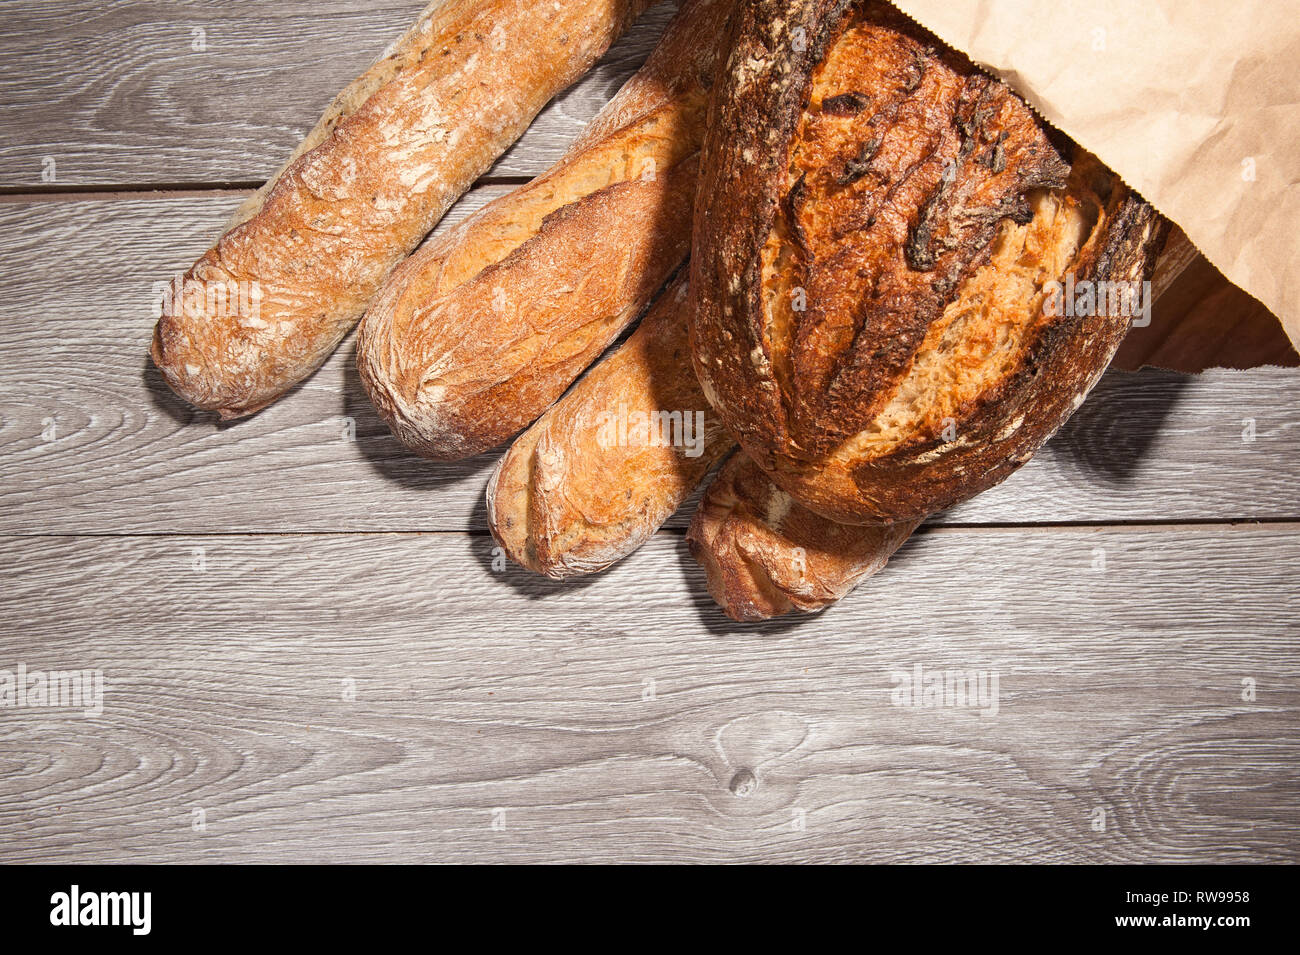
[(1271, 525), (179, 190)]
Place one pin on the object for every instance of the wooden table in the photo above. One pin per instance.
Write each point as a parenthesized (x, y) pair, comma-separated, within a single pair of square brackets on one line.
[(310, 653)]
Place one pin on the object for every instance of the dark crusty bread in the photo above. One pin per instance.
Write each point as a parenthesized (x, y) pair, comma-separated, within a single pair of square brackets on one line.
[(265, 307), (872, 266), (764, 554), (483, 328), (600, 472)]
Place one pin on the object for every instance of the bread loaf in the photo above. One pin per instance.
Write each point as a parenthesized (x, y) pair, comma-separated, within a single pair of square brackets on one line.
[(264, 308), (765, 555), (482, 329), (876, 266), (600, 472)]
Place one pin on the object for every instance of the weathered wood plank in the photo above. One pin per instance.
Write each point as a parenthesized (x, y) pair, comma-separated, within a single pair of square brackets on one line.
[(92, 440), (1120, 652), (125, 98), (626, 720)]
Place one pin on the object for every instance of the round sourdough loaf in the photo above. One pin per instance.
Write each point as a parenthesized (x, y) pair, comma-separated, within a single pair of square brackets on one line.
[(878, 319)]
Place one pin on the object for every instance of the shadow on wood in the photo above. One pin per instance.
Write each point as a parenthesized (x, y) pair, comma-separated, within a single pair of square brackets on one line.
[(391, 459), (1109, 437), (521, 580)]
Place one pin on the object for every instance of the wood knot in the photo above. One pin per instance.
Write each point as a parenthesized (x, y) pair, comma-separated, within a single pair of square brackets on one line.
[(743, 784)]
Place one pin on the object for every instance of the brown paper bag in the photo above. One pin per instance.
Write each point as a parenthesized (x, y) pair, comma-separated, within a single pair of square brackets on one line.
[(1194, 103)]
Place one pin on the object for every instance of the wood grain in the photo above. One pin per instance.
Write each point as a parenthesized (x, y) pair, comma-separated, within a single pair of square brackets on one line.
[(1119, 689), (124, 98), (228, 580), (128, 456)]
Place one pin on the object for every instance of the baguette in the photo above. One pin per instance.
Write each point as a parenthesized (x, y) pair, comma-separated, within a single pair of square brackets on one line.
[(481, 330), (765, 555), (265, 307), (600, 472), (874, 270)]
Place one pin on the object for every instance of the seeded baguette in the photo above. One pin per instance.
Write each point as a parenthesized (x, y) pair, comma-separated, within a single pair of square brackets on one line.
[(872, 267), (305, 255), (599, 473), (764, 554), (482, 329)]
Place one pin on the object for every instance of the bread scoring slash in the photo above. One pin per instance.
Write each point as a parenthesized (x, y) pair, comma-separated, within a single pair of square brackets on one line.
[(878, 263)]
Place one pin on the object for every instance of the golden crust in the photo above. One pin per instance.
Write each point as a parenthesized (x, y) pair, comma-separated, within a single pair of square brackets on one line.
[(481, 330), (267, 305), (765, 555), (872, 266), (601, 471)]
